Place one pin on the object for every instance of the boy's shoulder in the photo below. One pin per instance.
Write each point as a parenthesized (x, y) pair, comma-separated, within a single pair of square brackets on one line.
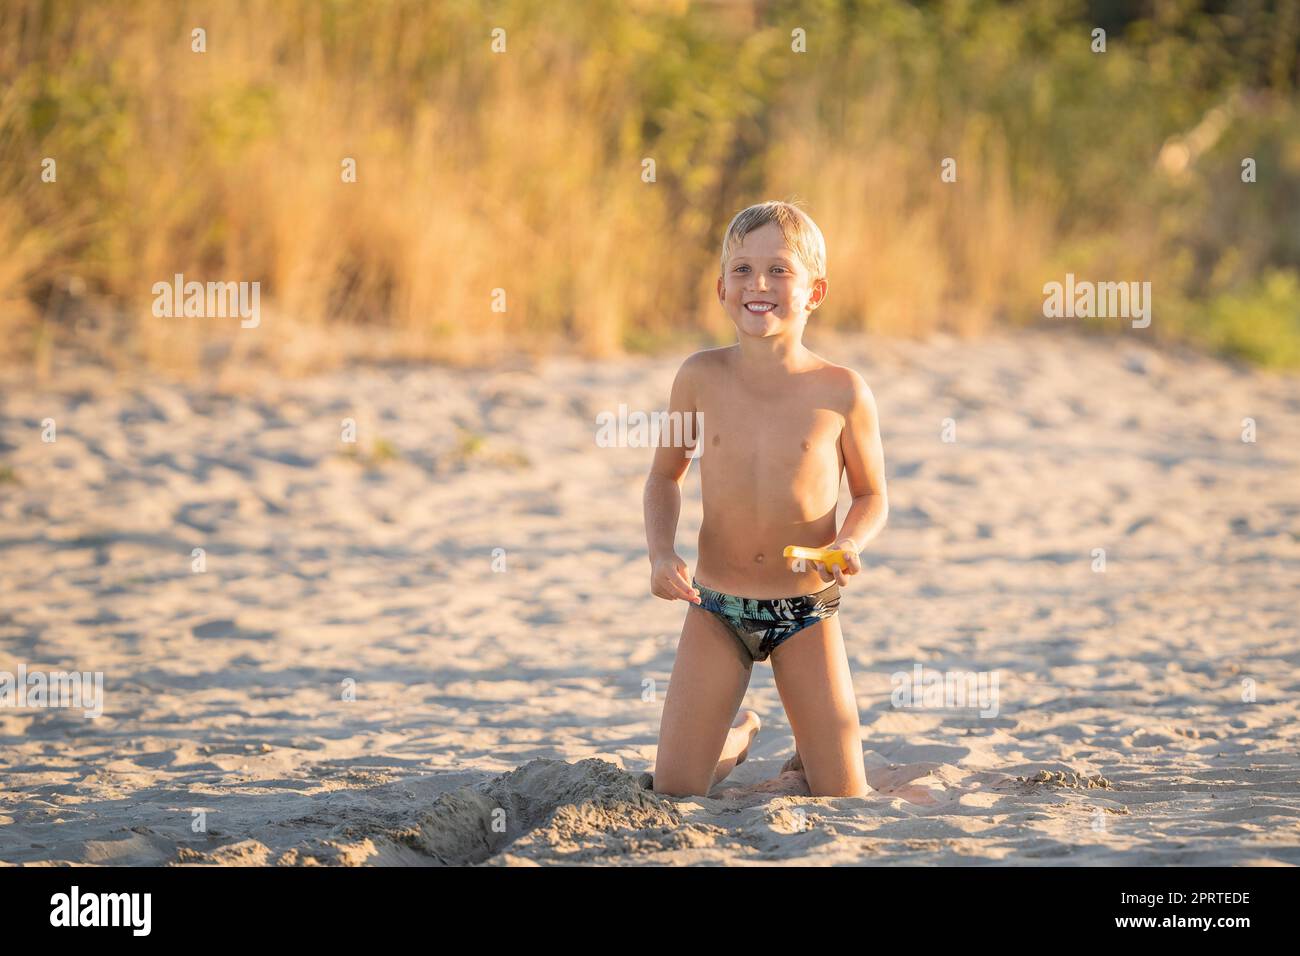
[(849, 387), (705, 360), (704, 357)]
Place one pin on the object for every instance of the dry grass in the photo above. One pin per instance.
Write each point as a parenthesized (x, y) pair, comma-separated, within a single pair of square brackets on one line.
[(476, 172)]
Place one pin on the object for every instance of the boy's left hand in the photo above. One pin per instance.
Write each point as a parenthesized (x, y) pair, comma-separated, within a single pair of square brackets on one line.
[(852, 563)]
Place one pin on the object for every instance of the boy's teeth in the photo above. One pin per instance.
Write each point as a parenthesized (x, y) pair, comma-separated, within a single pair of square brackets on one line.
[(760, 307)]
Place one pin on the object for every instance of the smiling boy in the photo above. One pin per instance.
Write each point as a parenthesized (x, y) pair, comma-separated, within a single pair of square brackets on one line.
[(780, 427)]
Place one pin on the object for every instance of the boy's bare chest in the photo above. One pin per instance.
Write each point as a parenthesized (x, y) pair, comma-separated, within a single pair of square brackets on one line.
[(748, 431)]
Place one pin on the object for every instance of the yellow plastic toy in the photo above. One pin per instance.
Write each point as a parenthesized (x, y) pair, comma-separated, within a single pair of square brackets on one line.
[(831, 557)]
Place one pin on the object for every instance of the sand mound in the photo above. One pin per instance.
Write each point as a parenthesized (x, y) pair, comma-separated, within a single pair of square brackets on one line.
[(545, 808)]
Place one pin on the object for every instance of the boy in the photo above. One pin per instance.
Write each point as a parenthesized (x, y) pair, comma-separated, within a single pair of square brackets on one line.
[(780, 425)]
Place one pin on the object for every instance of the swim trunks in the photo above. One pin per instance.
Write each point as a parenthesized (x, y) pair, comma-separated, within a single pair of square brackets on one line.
[(762, 625)]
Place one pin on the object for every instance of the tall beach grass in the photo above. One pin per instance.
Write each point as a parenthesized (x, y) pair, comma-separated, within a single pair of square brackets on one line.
[(524, 171)]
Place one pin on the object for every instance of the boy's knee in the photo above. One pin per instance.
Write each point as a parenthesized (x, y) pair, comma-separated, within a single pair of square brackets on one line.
[(846, 791), (666, 786)]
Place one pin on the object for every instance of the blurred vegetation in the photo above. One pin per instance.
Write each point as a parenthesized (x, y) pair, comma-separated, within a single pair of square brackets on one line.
[(381, 451), (522, 171)]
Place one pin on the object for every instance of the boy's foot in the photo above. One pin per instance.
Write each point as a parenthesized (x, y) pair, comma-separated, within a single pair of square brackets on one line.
[(783, 785), (747, 718)]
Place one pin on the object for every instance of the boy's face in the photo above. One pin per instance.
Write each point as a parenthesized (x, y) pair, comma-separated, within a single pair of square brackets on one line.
[(766, 289)]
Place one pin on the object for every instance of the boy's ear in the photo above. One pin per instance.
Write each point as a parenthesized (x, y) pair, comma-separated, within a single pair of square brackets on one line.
[(818, 293)]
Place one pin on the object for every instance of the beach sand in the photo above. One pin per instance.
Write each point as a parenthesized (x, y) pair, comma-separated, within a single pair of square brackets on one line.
[(1146, 714)]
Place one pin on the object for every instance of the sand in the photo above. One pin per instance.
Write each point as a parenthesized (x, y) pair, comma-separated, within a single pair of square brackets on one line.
[(506, 701)]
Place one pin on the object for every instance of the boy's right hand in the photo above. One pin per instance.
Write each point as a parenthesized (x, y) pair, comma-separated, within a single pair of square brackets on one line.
[(668, 580)]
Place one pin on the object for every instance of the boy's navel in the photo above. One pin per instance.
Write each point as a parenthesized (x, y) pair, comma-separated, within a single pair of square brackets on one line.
[(717, 440), (806, 444), (759, 557)]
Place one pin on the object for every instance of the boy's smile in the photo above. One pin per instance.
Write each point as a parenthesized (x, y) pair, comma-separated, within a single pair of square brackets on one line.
[(766, 289)]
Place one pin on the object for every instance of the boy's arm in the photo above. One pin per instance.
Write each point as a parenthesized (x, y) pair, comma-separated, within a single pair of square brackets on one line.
[(864, 464), (663, 497)]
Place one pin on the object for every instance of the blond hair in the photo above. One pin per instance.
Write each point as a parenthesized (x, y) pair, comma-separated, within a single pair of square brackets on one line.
[(797, 228)]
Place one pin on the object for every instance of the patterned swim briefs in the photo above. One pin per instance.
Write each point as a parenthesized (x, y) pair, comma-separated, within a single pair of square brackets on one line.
[(762, 625)]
